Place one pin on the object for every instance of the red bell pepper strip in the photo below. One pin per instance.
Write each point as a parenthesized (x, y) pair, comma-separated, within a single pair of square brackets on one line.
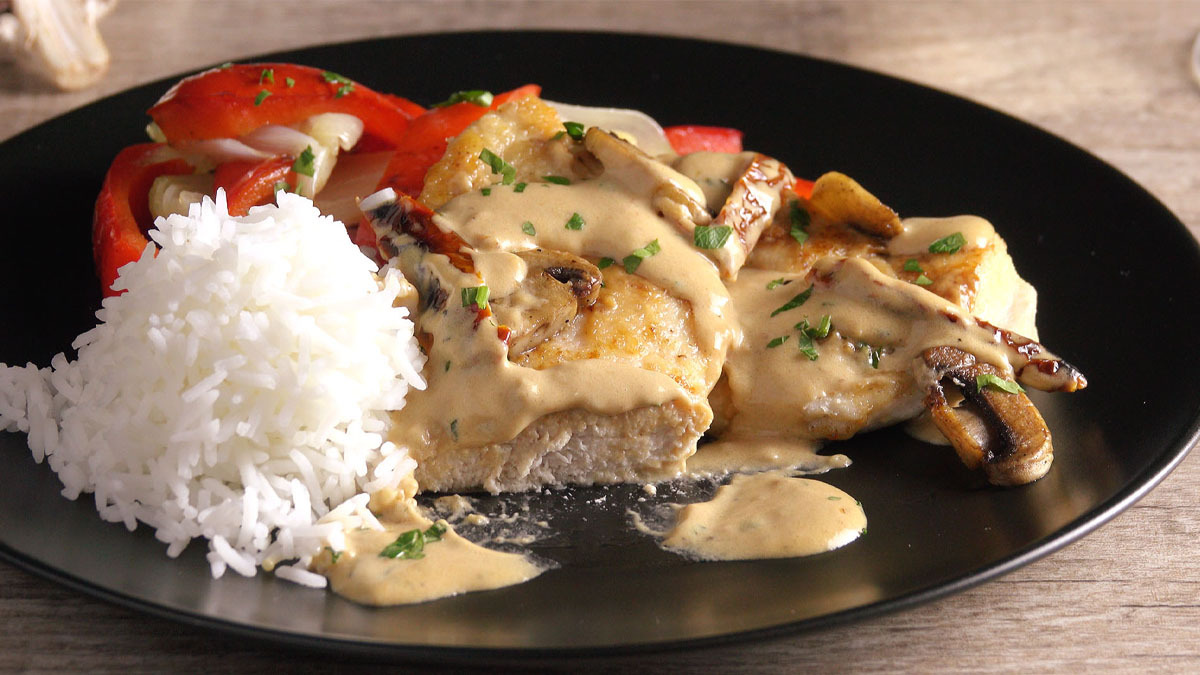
[(122, 216), (691, 138), (232, 101), (803, 188), (252, 183)]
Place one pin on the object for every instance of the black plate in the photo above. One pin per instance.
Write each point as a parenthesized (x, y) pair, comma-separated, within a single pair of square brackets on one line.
[(1112, 264)]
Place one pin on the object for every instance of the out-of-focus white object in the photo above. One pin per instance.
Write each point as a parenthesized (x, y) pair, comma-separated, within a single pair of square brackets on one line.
[(57, 39)]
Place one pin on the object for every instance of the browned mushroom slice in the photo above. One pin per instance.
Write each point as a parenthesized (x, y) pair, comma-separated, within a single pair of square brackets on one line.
[(676, 197), (752, 204), (557, 286), (1002, 431), (840, 199)]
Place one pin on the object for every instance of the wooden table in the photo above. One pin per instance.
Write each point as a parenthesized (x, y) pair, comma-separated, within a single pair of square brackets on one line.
[(1109, 76)]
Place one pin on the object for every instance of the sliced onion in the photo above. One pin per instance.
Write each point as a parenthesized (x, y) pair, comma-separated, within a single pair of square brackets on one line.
[(174, 194), (220, 150), (280, 140), (645, 132), (354, 178), (334, 129)]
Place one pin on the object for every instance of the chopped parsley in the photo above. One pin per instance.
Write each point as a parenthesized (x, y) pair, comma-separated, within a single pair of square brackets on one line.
[(996, 382), (475, 295), (800, 222), (343, 90), (711, 236), (604, 262), (267, 75), (486, 191), (834, 498), (333, 555), (923, 280), (574, 130), (527, 228), (911, 265), (575, 222), (262, 96), (795, 302), (479, 97), (519, 187), (305, 164), (498, 165), (873, 355), (289, 82), (777, 341), (634, 260), (948, 244), (557, 180), (807, 334), (776, 283), (410, 545)]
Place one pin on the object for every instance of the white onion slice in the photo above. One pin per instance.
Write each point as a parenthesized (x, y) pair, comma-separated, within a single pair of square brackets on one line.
[(174, 194), (218, 150), (355, 176), (647, 133), (334, 129)]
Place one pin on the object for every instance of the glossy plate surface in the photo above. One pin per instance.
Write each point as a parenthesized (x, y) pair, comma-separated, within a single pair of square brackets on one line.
[(1112, 265)]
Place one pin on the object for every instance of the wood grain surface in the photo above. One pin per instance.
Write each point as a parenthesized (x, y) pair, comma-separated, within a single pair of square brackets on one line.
[(1110, 76)]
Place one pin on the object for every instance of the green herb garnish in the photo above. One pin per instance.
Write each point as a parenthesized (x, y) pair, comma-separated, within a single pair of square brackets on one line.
[(948, 244), (823, 328), (475, 295), (800, 222), (634, 260), (604, 262), (776, 283), (873, 355), (574, 130), (486, 191), (557, 180), (996, 382), (519, 187), (305, 164), (479, 97), (795, 302), (777, 341), (289, 82), (923, 280), (911, 265), (527, 228), (343, 90), (711, 236), (575, 222), (267, 75), (262, 96), (498, 165), (410, 545)]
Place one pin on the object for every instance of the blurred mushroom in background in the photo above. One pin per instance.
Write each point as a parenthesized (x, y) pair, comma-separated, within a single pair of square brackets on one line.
[(58, 40)]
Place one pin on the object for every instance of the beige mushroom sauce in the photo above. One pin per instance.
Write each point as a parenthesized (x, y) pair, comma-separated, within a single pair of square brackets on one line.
[(590, 314)]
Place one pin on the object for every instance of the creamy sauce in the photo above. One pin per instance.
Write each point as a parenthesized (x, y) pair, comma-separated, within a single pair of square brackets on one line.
[(762, 453), (767, 515), (449, 567), (919, 233)]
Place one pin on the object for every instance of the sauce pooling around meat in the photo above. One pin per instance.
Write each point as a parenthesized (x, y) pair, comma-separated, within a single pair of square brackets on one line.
[(767, 515)]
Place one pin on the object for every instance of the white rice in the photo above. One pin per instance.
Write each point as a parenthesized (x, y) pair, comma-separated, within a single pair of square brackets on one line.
[(236, 391)]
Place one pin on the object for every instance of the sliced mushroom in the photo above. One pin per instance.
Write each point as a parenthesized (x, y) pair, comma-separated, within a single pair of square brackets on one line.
[(840, 199), (557, 286), (673, 194), (1003, 432)]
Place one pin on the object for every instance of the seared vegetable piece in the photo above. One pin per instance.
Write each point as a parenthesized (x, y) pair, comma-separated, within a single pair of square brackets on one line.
[(999, 430)]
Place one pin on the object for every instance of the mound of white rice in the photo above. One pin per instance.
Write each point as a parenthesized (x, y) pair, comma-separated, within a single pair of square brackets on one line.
[(236, 391)]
